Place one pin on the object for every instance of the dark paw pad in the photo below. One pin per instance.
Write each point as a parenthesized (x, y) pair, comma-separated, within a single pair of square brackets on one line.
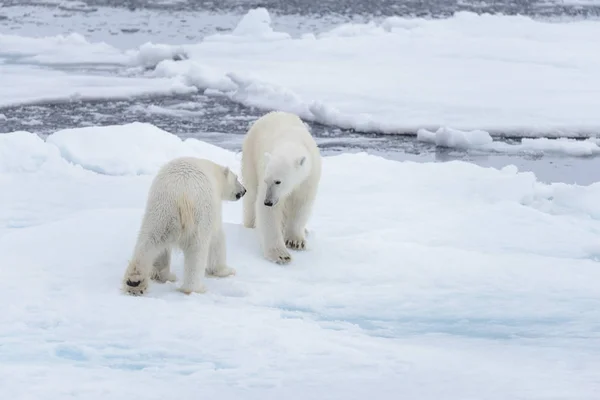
[(297, 245), (284, 259), (133, 284)]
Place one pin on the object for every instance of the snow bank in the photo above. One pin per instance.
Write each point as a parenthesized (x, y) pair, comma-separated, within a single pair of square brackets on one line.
[(24, 152), (150, 54), (24, 84), (470, 72), (499, 74), (454, 263), (572, 147), (131, 149), (255, 25), (454, 138), (60, 49), (447, 137), (194, 74)]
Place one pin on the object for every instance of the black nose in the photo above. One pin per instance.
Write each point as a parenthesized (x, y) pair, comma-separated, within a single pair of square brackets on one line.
[(244, 192), (268, 203)]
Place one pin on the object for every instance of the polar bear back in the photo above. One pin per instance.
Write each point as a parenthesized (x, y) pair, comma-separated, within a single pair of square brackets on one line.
[(185, 196), (194, 176)]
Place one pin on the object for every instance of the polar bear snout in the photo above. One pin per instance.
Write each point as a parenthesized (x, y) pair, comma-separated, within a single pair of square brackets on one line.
[(241, 194), (270, 201), (271, 198)]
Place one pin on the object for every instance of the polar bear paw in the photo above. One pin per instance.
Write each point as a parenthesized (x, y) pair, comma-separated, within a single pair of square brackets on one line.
[(296, 243), (163, 276), (135, 284), (222, 272), (278, 255), (189, 290)]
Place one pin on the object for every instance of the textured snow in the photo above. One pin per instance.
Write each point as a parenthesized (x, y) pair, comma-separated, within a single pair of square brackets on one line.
[(447, 137), (60, 49), (499, 74), (477, 139), (25, 84), (494, 73), (434, 280), (255, 25), (129, 149)]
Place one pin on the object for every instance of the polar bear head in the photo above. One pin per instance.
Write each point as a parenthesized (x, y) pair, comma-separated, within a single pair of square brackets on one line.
[(232, 189), (284, 171)]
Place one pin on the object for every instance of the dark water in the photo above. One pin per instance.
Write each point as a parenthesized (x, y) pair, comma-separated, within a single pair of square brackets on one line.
[(212, 118), (220, 121), (315, 8)]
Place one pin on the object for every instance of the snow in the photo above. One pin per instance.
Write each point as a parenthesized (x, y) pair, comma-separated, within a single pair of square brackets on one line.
[(60, 49), (447, 137), (26, 84), (193, 74), (255, 25), (130, 149), (477, 139), (435, 280), (493, 73), (24, 152), (562, 145)]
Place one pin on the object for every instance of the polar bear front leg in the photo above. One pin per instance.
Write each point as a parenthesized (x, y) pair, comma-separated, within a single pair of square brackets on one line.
[(295, 227), (161, 269), (217, 259), (268, 224), (195, 256), (250, 208)]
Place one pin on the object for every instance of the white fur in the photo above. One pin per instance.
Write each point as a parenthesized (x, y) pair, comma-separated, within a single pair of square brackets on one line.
[(183, 209), (279, 148)]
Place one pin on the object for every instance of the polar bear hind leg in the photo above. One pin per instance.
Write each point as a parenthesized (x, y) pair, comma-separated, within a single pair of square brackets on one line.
[(217, 259), (195, 255), (139, 270), (161, 271)]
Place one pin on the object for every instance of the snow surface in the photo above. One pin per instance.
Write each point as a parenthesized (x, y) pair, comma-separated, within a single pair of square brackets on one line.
[(477, 139), (26, 84), (429, 280), (500, 74)]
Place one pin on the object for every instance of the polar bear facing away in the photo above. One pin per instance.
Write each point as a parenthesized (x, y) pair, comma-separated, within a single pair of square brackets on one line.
[(281, 169), (183, 209)]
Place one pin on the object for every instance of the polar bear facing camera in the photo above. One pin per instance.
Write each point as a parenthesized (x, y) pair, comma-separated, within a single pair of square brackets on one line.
[(281, 169), (183, 209)]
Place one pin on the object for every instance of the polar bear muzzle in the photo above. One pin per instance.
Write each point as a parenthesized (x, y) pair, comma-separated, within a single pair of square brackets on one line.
[(241, 194), (270, 198)]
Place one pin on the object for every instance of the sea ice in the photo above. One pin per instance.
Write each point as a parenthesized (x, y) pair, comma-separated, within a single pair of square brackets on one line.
[(480, 281)]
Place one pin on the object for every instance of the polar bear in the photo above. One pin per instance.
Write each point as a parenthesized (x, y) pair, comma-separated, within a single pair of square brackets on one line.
[(183, 209), (281, 169)]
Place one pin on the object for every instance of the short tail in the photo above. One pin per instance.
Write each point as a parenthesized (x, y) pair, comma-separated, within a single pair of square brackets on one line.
[(186, 214)]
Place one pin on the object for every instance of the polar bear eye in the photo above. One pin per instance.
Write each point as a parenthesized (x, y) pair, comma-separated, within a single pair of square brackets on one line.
[(277, 182)]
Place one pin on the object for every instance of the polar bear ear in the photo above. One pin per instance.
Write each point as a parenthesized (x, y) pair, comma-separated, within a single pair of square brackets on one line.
[(301, 161), (226, 171)]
